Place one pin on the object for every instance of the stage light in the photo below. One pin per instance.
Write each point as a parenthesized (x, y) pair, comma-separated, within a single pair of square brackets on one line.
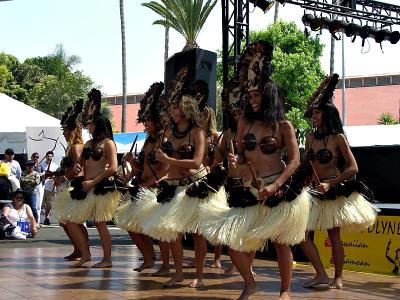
[(381, 35), (265, 5), (364, 32), (316, 24), (350, 29), (394, 37), (307, 18)]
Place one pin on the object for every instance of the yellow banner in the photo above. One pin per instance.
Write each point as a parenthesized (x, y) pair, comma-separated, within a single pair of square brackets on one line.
[(376, 250)]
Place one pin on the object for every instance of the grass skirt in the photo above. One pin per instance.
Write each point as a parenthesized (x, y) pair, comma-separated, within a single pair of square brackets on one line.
[(96, 208), (61, 205), (180, 215), (247, 229), (285, 223), (353, 213), (132, 214)]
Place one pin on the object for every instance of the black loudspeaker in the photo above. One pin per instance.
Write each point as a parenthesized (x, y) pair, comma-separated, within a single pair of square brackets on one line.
[(202, 66), (378, 168)]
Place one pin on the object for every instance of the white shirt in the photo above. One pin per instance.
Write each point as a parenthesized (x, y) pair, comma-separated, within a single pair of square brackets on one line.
[(15, 168), (14, 216), (49, 183)]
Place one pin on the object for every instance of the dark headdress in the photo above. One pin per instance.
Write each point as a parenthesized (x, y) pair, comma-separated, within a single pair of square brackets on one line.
[(179, 86), (232, 96), (149, 105), (70, 119), (91, 111), (199, 91), (255, 66), (323, 95)]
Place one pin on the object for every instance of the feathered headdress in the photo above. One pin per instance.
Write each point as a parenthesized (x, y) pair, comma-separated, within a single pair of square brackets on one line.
[(92, 107), (232, 96), (178, 86), (199, 91), (323, 94), (69, 119), (149, 108), (255, 66)]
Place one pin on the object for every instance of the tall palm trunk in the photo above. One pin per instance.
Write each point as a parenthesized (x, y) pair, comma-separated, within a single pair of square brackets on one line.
[(123, 119), (276, 15), (166, 43)]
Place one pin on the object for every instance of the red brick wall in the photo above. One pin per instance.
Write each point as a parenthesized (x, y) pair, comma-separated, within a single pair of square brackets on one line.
[(365, 104), (131, 115)]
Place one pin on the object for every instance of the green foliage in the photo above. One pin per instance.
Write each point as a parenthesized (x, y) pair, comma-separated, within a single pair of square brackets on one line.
[(49, 83), (296, 68), (386, 118), (185, 16)]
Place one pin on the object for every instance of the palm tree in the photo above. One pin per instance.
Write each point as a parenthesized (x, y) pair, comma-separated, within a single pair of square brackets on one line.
[(185, 16), (386, 118), (123, 118)]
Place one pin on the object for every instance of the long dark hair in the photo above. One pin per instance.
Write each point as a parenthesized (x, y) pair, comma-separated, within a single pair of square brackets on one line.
[(331, 118), (102, 130), (271, 107)]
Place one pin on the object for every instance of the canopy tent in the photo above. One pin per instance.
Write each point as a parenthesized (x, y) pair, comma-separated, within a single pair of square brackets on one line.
[(124, 141), (373, 135), (15, 118)]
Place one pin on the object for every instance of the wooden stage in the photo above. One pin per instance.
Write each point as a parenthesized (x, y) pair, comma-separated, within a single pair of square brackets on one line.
[(34, 269)]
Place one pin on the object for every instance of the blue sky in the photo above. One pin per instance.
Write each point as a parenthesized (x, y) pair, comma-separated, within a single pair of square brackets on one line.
[(91, 30)]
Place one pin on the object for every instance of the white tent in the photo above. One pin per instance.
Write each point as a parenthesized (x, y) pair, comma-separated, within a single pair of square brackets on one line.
[(373, 135), (15, 118)]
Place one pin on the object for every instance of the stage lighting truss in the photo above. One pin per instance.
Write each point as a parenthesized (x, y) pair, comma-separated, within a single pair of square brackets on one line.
[(374, 17), (349, 28)]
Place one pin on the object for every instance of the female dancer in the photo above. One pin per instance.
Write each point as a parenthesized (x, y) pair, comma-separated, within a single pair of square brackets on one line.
[(337, 202), (178, 210), (260, 207), (98, 197), (70, 170), (145, 172)]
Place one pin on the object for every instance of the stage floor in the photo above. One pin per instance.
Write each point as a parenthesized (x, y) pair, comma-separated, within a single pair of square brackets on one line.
[(35, 270)]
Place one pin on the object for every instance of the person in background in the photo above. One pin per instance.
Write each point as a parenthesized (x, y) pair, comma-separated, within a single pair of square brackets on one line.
[(48, 166), (39, 189), (29, 182), (17, 211), (15, 168)]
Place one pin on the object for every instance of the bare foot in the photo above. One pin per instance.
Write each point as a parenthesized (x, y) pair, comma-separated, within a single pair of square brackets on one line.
[(337, 283), (103, 264), (284, 296), (248, 291), (317, 280), (162, 272), (76, 255), (196, 283), (230, 270), (176, 278), (81, 262), (144, 266), (216, 264)]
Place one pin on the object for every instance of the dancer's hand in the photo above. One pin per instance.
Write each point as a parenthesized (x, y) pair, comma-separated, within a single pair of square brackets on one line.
[(161, 156), (323, 187), (87, 185), (268, 191), (233, 159)]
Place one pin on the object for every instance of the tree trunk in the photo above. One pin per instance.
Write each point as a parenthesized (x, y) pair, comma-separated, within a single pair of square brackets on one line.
[(190, 45), (276, 15), (166, 43), (124, 96)]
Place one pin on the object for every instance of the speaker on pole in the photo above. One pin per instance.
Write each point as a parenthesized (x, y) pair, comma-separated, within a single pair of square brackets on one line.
[(202, 66)]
